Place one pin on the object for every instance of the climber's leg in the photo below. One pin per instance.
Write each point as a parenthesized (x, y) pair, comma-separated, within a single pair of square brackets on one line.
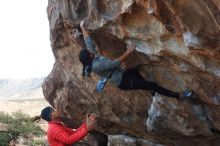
[(161, 90), (131, 81)]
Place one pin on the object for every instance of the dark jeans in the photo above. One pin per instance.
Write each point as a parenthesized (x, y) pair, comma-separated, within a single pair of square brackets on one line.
[(132, 79)]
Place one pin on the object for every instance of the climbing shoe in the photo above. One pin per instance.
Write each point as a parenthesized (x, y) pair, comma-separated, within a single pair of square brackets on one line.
[(187, 94)]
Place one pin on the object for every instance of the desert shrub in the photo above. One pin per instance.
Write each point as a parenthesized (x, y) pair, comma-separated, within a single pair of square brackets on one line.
[(38, 142), (4, 137), (18, 125)]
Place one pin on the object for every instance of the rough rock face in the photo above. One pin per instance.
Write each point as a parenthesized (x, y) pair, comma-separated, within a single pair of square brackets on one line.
[(178, 46)]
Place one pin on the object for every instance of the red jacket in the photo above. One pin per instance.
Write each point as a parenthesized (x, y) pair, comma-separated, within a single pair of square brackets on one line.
[(59, 135)]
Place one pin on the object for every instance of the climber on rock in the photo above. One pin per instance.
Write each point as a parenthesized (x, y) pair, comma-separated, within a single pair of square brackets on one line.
[(124, 79), (60, 135)]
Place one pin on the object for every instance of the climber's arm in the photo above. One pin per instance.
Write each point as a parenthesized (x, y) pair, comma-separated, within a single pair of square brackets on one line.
[(88, 40), (107, 64), (84, 31), (125, 55)]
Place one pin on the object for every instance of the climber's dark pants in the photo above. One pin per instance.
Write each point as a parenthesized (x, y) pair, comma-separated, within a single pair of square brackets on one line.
[(132, 79)]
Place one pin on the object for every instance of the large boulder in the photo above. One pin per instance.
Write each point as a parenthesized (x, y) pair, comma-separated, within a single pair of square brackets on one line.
[(178, 46)]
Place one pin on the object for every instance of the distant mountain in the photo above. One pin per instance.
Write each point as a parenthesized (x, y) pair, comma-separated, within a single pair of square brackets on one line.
[(17, 89)]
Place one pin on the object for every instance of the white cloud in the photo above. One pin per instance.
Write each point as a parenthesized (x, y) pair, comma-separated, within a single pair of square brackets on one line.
[(24, 39)]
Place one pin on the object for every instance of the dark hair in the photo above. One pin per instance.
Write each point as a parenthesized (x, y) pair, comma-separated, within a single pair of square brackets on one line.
[(86, 60), (46, 113)]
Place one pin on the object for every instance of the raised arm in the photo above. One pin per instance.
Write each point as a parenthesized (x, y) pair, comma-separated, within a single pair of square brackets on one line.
[(108, 64), (63, 136), (88, 40), (125, 55), (84, 31)]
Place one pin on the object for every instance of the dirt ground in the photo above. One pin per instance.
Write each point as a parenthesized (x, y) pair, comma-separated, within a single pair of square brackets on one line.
[(31, 107)]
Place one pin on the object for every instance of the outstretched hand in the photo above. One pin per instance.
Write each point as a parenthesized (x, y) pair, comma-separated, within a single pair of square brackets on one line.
[(90, 121)]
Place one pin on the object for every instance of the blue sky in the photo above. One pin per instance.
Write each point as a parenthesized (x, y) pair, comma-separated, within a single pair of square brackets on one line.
[(24, 39)]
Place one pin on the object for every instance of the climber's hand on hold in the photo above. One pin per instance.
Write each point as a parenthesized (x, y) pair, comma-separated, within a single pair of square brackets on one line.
[(84, 31), (131, 48), (124, 56), (82, 23)]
